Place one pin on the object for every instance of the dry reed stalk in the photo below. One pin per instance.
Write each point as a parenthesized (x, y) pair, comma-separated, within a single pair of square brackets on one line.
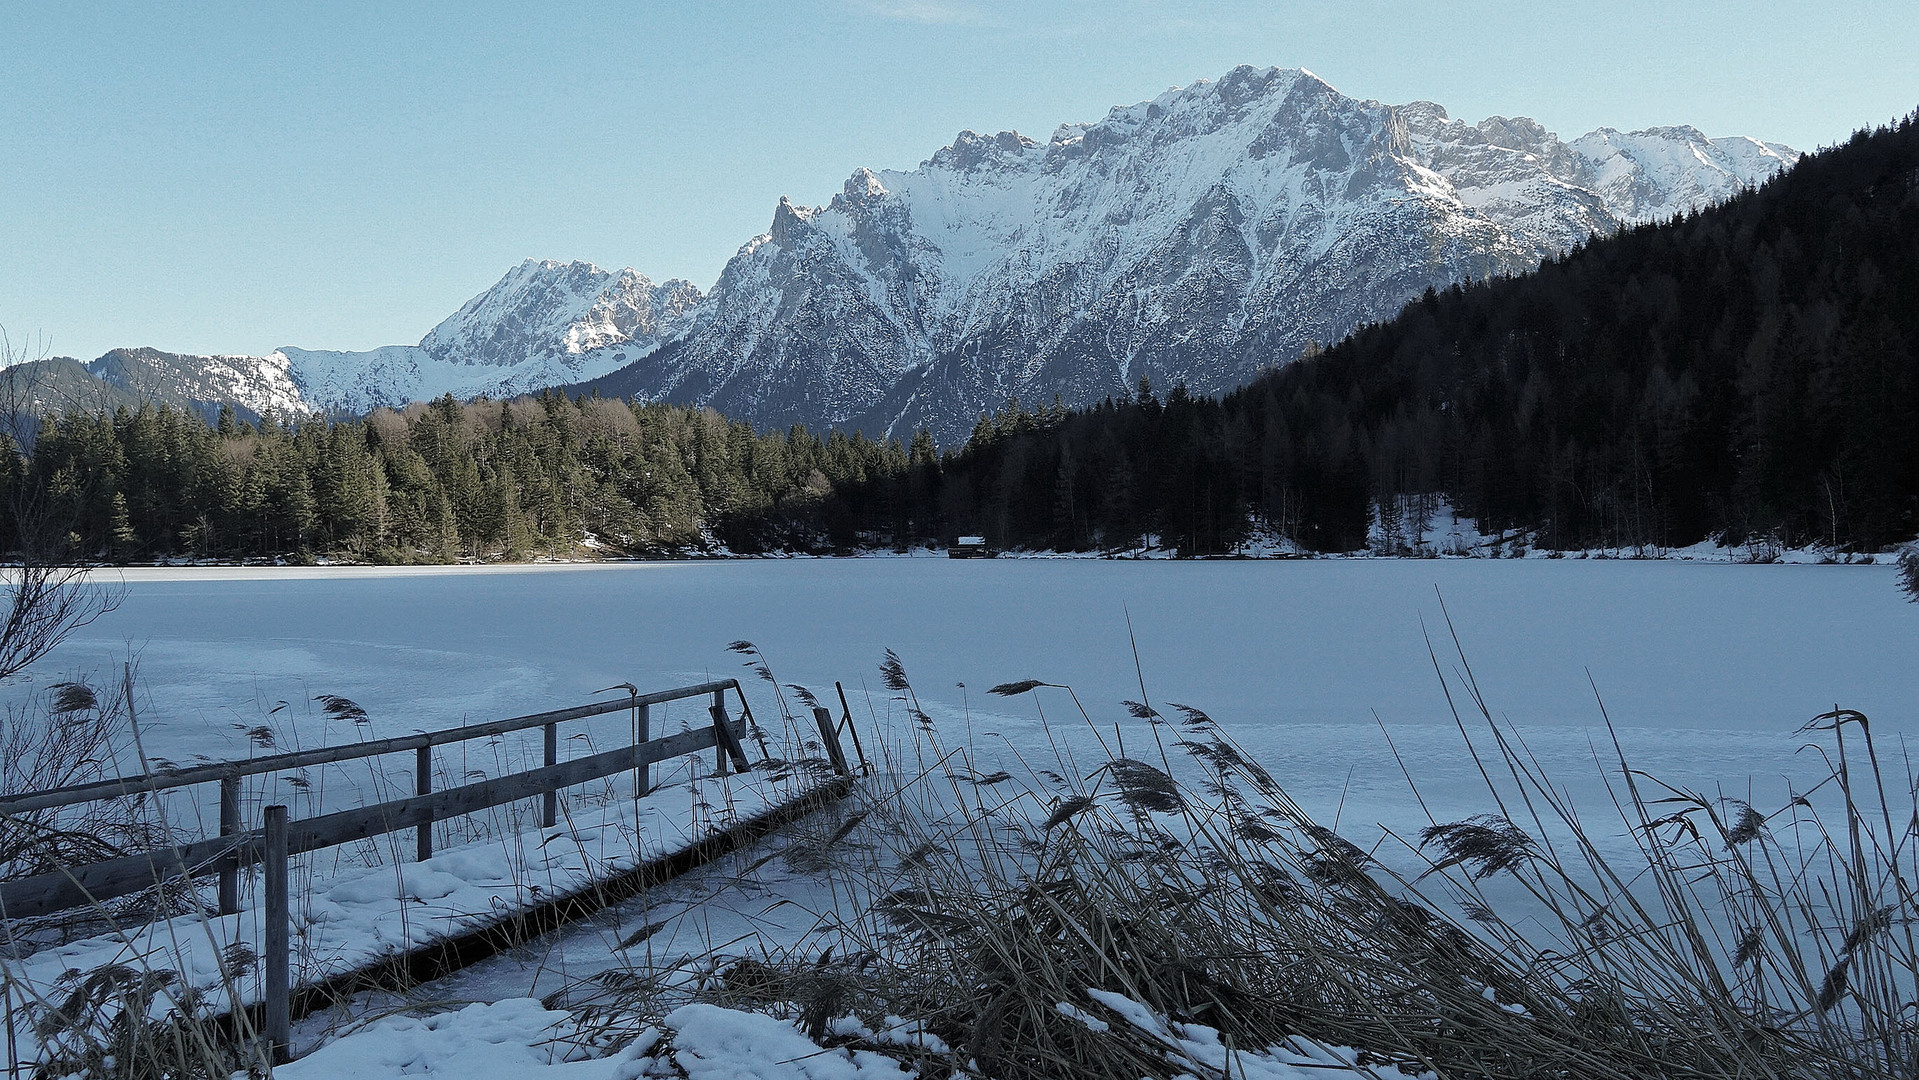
[(989, 907)]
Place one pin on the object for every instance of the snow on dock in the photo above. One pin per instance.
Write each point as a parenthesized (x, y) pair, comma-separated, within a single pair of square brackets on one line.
[(359, 925)]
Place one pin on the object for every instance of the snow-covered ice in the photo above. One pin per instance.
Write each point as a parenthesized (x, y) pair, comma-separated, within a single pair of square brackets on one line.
[(1709, 667)]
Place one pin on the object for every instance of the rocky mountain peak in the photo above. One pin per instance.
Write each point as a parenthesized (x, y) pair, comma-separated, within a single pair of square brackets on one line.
[(862, 186), (547, 308), (1515, 132), (789, 220), (1246, 84), (971, 152)]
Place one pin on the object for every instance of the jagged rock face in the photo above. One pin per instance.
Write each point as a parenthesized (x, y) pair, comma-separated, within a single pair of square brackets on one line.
[(550, 310), (1194, 238), (807, 334)]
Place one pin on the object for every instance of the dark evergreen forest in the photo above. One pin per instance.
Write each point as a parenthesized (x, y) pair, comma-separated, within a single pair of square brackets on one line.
[(1747, 371), (442, 482)]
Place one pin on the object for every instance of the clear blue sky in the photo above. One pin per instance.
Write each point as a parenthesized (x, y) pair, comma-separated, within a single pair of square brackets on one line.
[(231, 178)]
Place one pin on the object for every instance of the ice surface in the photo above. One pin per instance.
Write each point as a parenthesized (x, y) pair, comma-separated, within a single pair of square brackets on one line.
[(1706, 669), (1709, 666)]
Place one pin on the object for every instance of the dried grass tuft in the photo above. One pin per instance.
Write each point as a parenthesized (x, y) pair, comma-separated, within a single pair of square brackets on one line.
[(1738, 943)]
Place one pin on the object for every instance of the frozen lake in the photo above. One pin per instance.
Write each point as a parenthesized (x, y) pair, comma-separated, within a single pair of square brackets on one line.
[(1706, 668)]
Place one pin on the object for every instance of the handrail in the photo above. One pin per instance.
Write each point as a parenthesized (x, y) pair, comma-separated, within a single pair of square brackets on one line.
[(225, 770), (78, 886), (278, 838)]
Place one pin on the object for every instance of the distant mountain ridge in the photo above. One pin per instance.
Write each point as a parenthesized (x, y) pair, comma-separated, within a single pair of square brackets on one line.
[(1747, 376), (1196, 238), (544, 324)]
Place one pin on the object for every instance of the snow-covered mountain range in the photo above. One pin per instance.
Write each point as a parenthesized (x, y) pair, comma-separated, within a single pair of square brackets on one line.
[(1194, 238), (543, 324)]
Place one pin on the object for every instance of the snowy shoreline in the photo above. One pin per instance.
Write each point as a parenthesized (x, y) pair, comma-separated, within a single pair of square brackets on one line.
[(234, 571)]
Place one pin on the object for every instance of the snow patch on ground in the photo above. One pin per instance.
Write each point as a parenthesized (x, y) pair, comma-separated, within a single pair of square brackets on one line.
[(502, 1040), (1429, 526), (519, 1039), (707, 1042)]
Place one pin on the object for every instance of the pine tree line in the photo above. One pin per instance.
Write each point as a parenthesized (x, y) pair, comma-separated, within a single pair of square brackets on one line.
[(442, 482)]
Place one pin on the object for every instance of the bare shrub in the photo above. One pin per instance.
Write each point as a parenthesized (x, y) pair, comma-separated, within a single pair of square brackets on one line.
[(48, 595), (66, 737), (133, 1022)]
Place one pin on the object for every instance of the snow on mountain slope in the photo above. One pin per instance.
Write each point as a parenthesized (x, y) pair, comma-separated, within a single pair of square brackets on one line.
[(1648, 175), (550, 310), (1193, 238), (544, 324), (352, 383), (254, 385)]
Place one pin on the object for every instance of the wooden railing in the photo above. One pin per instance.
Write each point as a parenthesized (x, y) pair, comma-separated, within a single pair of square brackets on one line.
[(278, 838)]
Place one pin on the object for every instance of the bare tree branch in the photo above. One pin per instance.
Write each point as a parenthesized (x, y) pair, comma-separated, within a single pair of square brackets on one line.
[(49, 595)]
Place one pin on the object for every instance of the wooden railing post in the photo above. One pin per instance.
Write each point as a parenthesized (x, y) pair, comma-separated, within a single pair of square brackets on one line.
[(642, 733), (423, 785), (830, 739), (846, 716), (726, 741), (279, 987), (551, 816), (747, 722), (230, 826)]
